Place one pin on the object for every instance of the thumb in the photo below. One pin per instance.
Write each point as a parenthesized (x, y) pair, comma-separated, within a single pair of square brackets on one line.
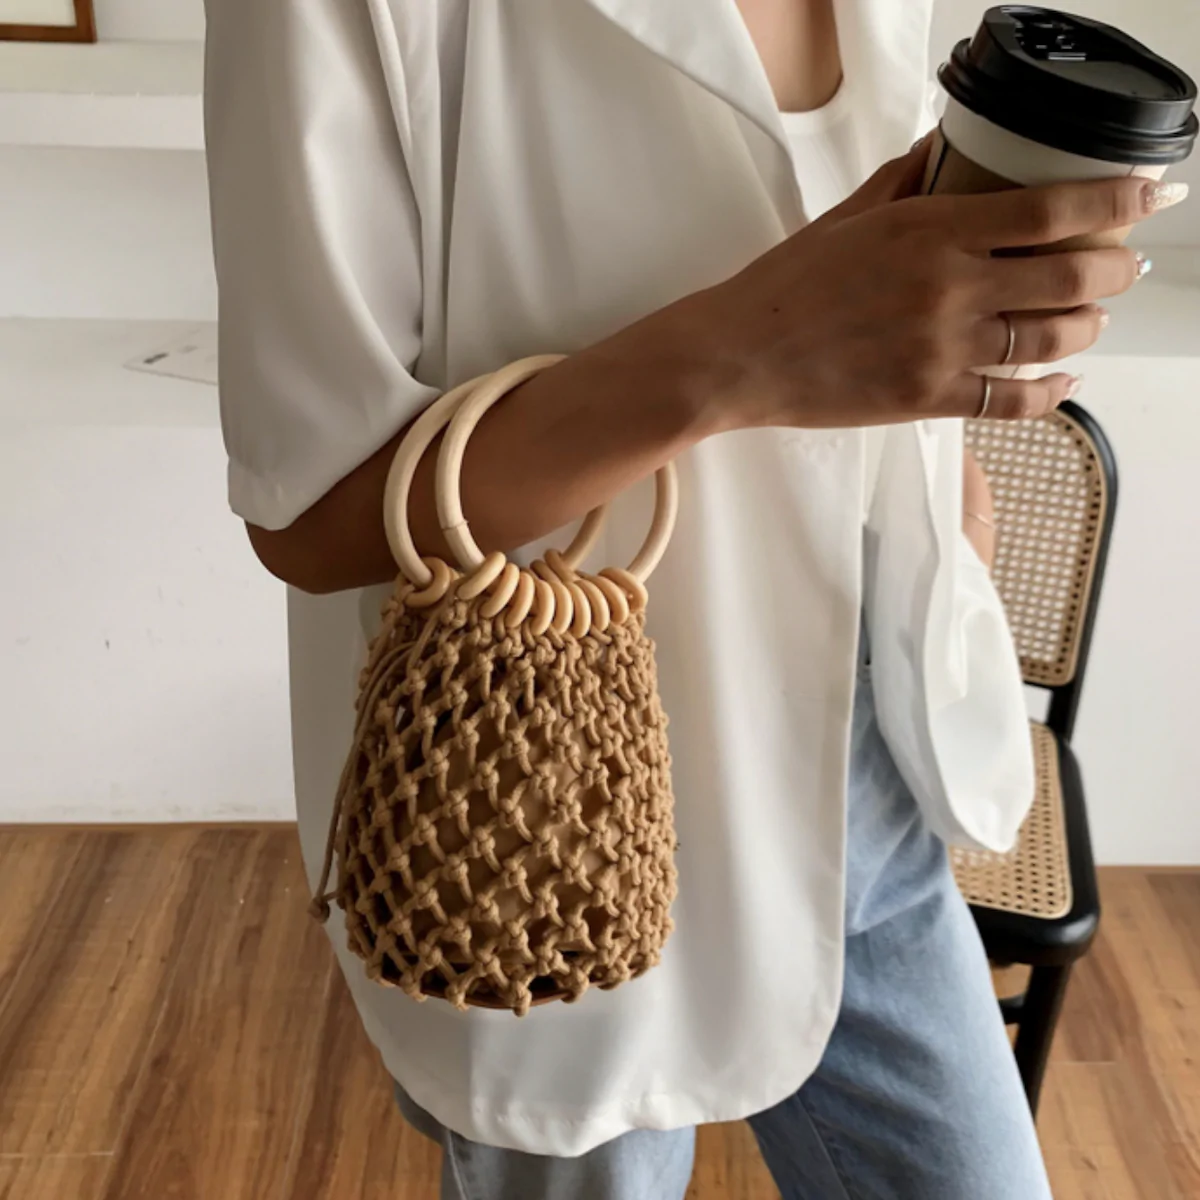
[(895, 180)]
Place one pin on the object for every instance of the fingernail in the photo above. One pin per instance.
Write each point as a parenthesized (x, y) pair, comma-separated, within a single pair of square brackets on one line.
[(1144, 265), (1157, 196), (1075, 388), (1105, 318)]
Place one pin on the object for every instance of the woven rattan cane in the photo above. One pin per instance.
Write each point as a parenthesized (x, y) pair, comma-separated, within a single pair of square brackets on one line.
[(1050, 506), (1034, 878), (1051, 501)]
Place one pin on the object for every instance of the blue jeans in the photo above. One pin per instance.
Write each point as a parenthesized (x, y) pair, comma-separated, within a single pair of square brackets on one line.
[(917, 1096)]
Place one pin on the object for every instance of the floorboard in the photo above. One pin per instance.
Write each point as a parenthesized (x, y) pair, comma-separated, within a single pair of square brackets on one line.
[(74, 1017), (233, 1051), (172, 1025)]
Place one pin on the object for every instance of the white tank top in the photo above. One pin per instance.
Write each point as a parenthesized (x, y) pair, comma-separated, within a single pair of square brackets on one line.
[(826, 162)]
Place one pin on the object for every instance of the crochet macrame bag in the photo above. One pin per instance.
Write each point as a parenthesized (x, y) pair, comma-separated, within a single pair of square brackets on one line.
[(503, 828)]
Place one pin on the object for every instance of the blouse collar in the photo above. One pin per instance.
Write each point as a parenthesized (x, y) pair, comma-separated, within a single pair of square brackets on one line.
[(885, 55)]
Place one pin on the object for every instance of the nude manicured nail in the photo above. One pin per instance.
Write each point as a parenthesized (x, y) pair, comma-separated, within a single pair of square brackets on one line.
[(1144, 265), (1105, 318), (1075, 388), (1157, 196)]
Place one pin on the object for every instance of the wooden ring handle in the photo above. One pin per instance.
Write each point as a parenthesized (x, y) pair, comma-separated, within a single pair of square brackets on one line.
[(400, 479), (449, 478), (666, 513), (404, 469)]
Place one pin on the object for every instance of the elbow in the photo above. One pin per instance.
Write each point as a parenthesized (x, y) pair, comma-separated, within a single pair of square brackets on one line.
[(320, 556), (286, 556)]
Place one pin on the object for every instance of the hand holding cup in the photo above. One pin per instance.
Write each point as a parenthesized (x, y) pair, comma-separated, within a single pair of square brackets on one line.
[(1056, 138), (881, 311)]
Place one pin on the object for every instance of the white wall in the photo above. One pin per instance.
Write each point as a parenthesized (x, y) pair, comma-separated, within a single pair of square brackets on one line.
[(143, 671), (105, 233), (150, 20), (1137, 732), (142, 660)]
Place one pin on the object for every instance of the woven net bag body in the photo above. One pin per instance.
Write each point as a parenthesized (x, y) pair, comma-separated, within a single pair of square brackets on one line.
[(503, 832)]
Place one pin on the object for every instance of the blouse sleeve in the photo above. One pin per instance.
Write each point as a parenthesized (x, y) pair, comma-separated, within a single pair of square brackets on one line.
[(977, 718), (317, 245)]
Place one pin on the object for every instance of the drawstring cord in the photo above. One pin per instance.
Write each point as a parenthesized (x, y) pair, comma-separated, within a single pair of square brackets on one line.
[(377, 674)]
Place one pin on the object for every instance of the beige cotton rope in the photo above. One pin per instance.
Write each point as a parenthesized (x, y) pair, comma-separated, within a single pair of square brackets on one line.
[(503, 830)]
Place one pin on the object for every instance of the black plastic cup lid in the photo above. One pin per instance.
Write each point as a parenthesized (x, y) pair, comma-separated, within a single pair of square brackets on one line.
[(1075, 84)]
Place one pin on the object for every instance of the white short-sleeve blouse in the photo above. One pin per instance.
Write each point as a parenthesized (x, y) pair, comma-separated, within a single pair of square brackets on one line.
[(408, 192)]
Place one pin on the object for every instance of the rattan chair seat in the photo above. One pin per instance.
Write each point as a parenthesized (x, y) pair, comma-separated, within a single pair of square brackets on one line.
[(1034, 878)]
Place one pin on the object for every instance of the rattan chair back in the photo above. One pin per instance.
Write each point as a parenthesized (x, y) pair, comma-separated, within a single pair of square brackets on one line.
[(1051, 479)]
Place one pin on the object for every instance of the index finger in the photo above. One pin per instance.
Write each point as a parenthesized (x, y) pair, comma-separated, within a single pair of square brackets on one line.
[(1042, 216)]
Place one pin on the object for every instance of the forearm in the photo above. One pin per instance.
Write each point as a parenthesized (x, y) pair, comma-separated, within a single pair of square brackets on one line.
[(979, 510), (853, 321), (569, 439)]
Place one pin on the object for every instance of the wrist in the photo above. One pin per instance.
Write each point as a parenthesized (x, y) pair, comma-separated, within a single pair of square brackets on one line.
[(735, 381), (720, 387), (980, 531), (669, 366)]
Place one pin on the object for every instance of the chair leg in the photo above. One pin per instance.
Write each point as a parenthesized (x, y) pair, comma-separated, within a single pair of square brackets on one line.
[(1035, 1033)]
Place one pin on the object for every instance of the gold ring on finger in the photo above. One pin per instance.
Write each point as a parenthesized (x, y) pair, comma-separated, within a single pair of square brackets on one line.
[(1012, 340), (987, 398)]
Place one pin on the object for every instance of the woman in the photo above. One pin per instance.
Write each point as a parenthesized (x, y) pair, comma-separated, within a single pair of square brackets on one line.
[(407, 193)]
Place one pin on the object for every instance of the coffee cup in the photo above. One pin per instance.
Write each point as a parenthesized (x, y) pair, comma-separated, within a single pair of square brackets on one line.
[(1040, 97)]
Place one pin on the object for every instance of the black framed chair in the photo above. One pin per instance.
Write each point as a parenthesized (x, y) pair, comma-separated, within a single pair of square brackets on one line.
[(1055, 484)]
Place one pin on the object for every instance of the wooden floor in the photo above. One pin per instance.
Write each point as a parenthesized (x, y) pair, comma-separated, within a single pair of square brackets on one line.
[(172, 1026)]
